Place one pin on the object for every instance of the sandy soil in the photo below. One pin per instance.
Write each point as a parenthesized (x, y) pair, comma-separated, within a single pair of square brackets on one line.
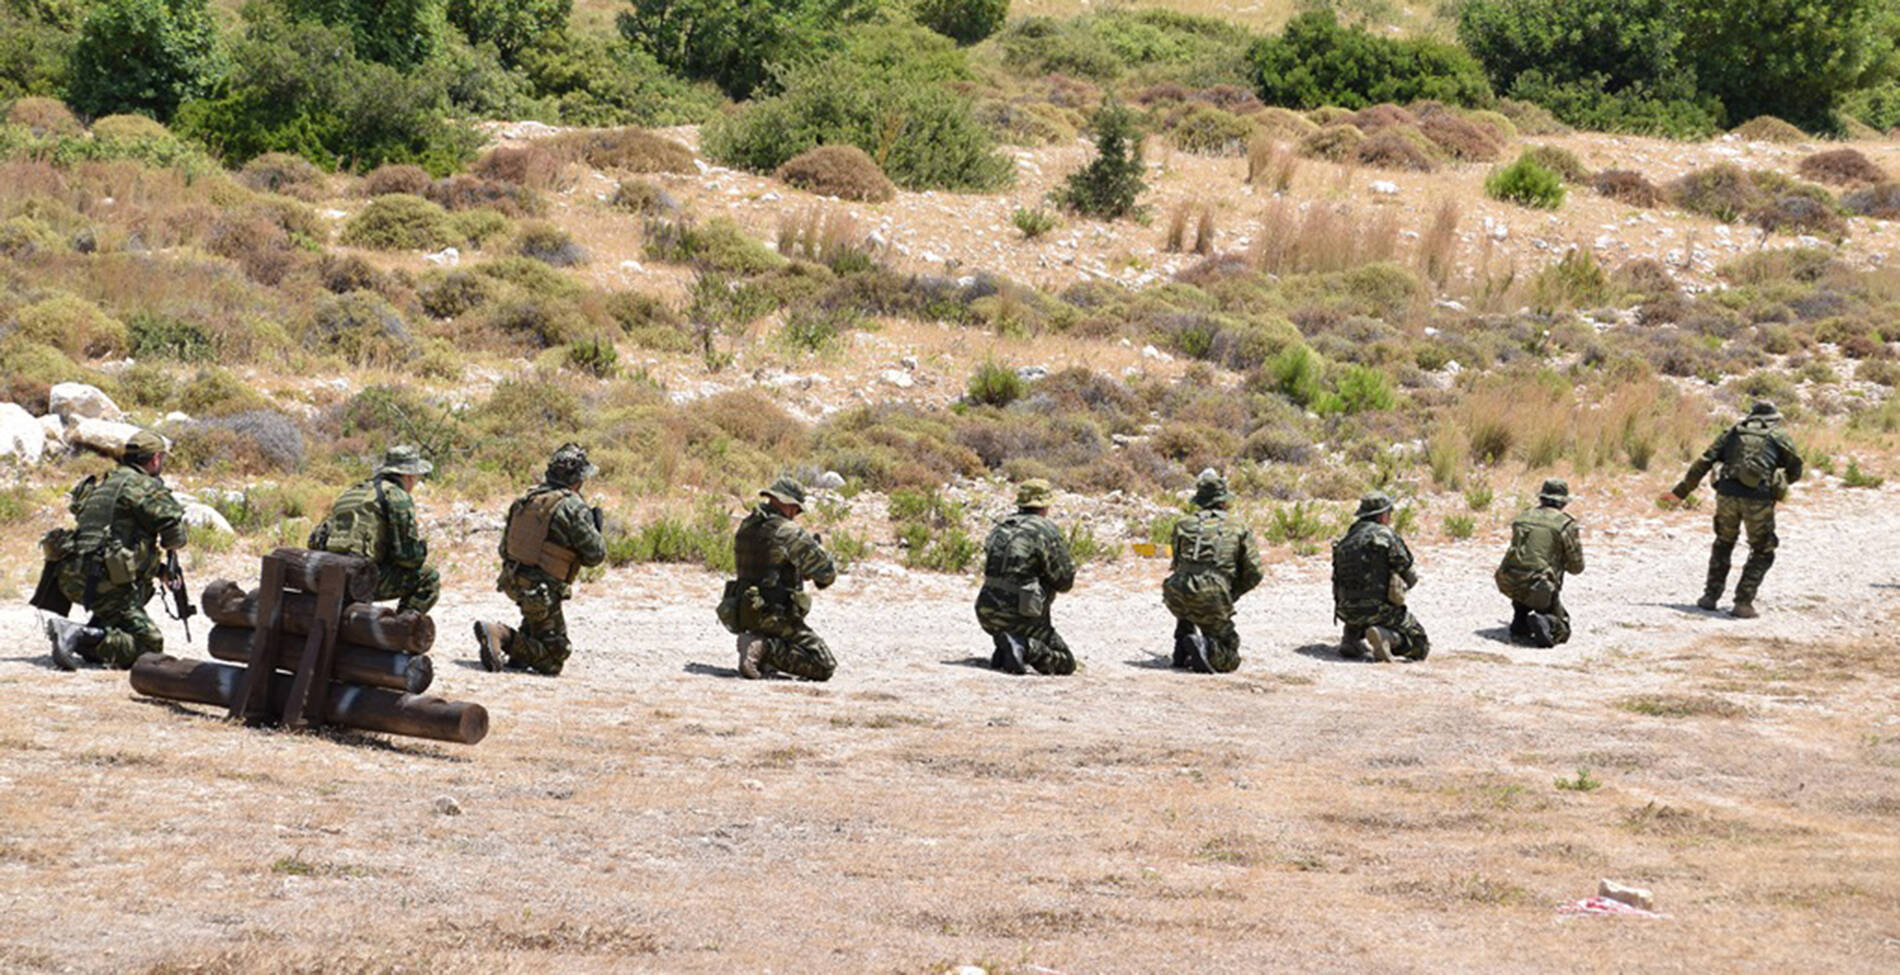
[(649, 812)]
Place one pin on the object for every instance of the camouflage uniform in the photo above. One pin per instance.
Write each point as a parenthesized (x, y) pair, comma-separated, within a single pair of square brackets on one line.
[(539, 587), (1026, 562), (1739, 507), (774, 558), (1545, 546), (1372, 568), (399, 552), (1214, 564), (128, 517)]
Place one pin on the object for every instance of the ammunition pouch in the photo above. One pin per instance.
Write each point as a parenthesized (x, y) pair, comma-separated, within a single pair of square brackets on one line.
[(1537, 590), (1395, 589), (120, 565), (728, 609), (1780, 485), (1030, 599), (755, 608)]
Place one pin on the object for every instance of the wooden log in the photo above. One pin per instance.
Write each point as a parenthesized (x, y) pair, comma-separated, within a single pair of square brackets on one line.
[(364, 624), (303, 571), (354, 664), (350, 705)]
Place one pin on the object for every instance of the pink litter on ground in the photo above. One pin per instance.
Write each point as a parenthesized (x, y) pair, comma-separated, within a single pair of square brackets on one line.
[(1603, 907)]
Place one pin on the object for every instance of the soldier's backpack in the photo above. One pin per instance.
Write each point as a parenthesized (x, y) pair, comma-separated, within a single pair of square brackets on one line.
[(1752, 457), (358, 524), (1206, 541), (1012, 563), (530, 519)]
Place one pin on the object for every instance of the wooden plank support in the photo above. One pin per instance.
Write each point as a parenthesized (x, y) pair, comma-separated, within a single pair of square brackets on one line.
[(364, 624), (351, 706), (312, 683), (303, 571), (252, 700), (355, 664)]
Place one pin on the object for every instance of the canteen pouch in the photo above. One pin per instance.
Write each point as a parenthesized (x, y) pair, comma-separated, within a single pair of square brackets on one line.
[(1781, 485), (1395, 589), (121, 565), (729, 608)]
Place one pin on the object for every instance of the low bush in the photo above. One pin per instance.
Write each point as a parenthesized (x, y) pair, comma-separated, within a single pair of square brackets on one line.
[(465, 192), (548, 244), (129, 129), (72, 325), (479, 227), (716, 245), (1881, 202), (361, 327), (1767, 128), (1723, 192), (1800, 213), (1395, 148), (1575, 281), (1559, 160), (1336, 143), (396, 178), (595, 356), (1459, 138), (282, 172), (1842, 167), (1526, 183), (157, 336), (1316, 61), (627, 150), (963, 21), (217, 392), (841, 171), (400, 222), (1627, 187), (532, 166), (1208, 131), (22, 237), (643, 196), (43, 116), (1033, 223), (456, 293), (1384, 115), (1531, 119), (995, 384), (539, 322)]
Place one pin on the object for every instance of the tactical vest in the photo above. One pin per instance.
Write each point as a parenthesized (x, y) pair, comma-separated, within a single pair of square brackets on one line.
[(1537, 539), (753, 559), (359, 522), (1207, 541), (1360, 571), (526, 541), (121, 556), (1012, 552), (1750, 457)]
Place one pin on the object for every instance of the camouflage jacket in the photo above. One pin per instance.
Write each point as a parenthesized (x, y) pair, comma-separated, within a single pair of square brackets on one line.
[(1364, 562), (403, 545), (1545, 545), (1025, 548), (571, 526), (772, 552), (1725, 452), (1212, 541), (130, 509)]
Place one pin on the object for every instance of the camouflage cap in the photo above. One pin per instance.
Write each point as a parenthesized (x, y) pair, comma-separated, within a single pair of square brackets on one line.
[(1034, 493), (1556, 490), (786, 491), (1374, 504), (1764, 408), (404, 459), (570, 465), (143, 445), (1210, 490)]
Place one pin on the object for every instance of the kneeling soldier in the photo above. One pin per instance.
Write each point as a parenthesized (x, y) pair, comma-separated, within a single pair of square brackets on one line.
[(1372, 570), (109, 561), (376, 520), (1214, 564), (767, 604), (1544, 546), (551, 534), (1026, 562)]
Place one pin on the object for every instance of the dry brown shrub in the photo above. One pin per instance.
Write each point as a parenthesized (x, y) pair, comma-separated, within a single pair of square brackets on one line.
[(1396, 148), (283, 172), (396, 178), (44, 116), (1283, 125), (1322, 238), (1842, 167), (631, 149), (1462, 140), (1376, 117), (1337, 143), (260, 247), (1767, 128), (843, 171), (1645, 276), (822, 234), (128, 128), (1881, 202), (1438, 245), (532, 166), (1627, 187), (465, 192)]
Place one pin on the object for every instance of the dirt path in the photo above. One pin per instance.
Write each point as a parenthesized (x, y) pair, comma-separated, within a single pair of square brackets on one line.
[(647, 812)]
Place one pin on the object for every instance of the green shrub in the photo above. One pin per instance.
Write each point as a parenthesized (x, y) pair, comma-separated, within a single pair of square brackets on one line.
[(1297, 373), (548, 244), (596, 79), (1317, 62), (361, 327), (400, 222), (1575, 281), (705, 539), (1397, 147), (540, 322), (1109, 186), (1033, 223), (43, 117), (157, 336), (448, 295), (279, 172), (396, 178), (1559, 160), (1460, 526), (1208, 131), (480, 226), (74, 326), (144, 57), (717, 245), (995, 384), (22, 237), (1360, 389), (737, 46), (595, 356), (1723, 192), (1767, 128), (963, 21), (1526, 183), (509, 25), (129, 129), (218, 392), (1336, 143)]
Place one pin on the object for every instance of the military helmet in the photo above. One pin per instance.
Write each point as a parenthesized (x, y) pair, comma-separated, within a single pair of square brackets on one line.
[(142, 446), (569, 465), (1555, 491), (404, 459), (1374, 504), (1210, 490), (1764, 409), (785, 491), (1034, 493)]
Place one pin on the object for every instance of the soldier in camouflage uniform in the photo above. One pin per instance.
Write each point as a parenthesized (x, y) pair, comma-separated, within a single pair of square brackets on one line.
[(1544, 546), (550, 535), (1026, 562), (1372, 570), (1758, 462), (127, 521), (1214, 564), (767, 604), (376, 520)]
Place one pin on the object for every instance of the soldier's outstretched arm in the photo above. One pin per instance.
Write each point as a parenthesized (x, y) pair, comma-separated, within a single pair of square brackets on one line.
[(1573, 549), (1057, 562), (1790, 459), (1700, 469), (407, 550), (574, 527), (812, 560), (1247, 572)]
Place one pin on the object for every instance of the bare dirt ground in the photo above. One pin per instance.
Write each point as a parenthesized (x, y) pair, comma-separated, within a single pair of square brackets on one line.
[(649, 812)]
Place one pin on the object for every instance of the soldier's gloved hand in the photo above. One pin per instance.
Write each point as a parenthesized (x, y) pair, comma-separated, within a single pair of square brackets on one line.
[(597, 519), (820, 539), (1668, 500)]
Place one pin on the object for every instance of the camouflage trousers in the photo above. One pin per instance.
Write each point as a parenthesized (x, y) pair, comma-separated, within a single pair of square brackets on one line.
[(418, 589), (1202, 602), (794, 648), (1398, 619), (120, 611), (540, 642), (1732, 516), (1043, 648), (1559, 620)]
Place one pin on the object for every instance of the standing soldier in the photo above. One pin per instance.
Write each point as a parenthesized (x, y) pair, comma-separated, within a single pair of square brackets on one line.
[(1544, 546), (1214, 564), (550, 535), (767, 604), (108, 562), (1372, 570), (1025, 563), (376, 520), (1758, 462)]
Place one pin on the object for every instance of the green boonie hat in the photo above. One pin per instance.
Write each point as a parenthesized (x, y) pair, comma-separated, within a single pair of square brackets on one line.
[(1763, 408), (570, 465), (404, 459), (1034, 493), (1556, 489), (1373, 505), (1210, 490), (143, 444), (785, 491)]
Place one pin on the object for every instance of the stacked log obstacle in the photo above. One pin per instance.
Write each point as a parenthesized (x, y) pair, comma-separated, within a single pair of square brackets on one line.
[(315, 652)]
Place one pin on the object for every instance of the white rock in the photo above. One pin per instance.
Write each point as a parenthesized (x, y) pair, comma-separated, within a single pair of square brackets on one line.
[(105, 436), (447, 806), (177, 417), (898, 378), (830, 481), (1031, 373), (71, 400), (22, 439), (446, 257), (1150, 352), (1633, 896), (634, 266), (1383, 187), (205, 516), (908, 362), (930, 257), (55, 429)]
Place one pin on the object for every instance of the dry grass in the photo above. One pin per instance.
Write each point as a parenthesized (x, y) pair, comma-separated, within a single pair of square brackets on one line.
[(1322, 237), (1438, 245)]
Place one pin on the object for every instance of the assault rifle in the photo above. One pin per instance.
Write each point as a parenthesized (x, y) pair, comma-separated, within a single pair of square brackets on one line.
[(177, 594)]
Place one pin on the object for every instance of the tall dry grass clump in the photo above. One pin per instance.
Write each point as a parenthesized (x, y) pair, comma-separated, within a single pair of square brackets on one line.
[(1540, 420), (1438, 245), (1322, 238), (1191, 216), (1271, 164), (826, 235)]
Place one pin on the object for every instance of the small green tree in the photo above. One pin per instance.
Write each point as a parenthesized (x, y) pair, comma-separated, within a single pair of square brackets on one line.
[(510, 25), (737, 44), (143, 57), (964, 21), (404, 34), (1109, 185)]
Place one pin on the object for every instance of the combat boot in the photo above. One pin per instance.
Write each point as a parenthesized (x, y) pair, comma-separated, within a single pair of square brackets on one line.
[(752, 648), (1352, 647), (492, 639), (1708, 602), (71, 642), (1382, 641), (1743, 610), (1542, 633), (1183, 652), (1197, 656), (1008, 657)]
